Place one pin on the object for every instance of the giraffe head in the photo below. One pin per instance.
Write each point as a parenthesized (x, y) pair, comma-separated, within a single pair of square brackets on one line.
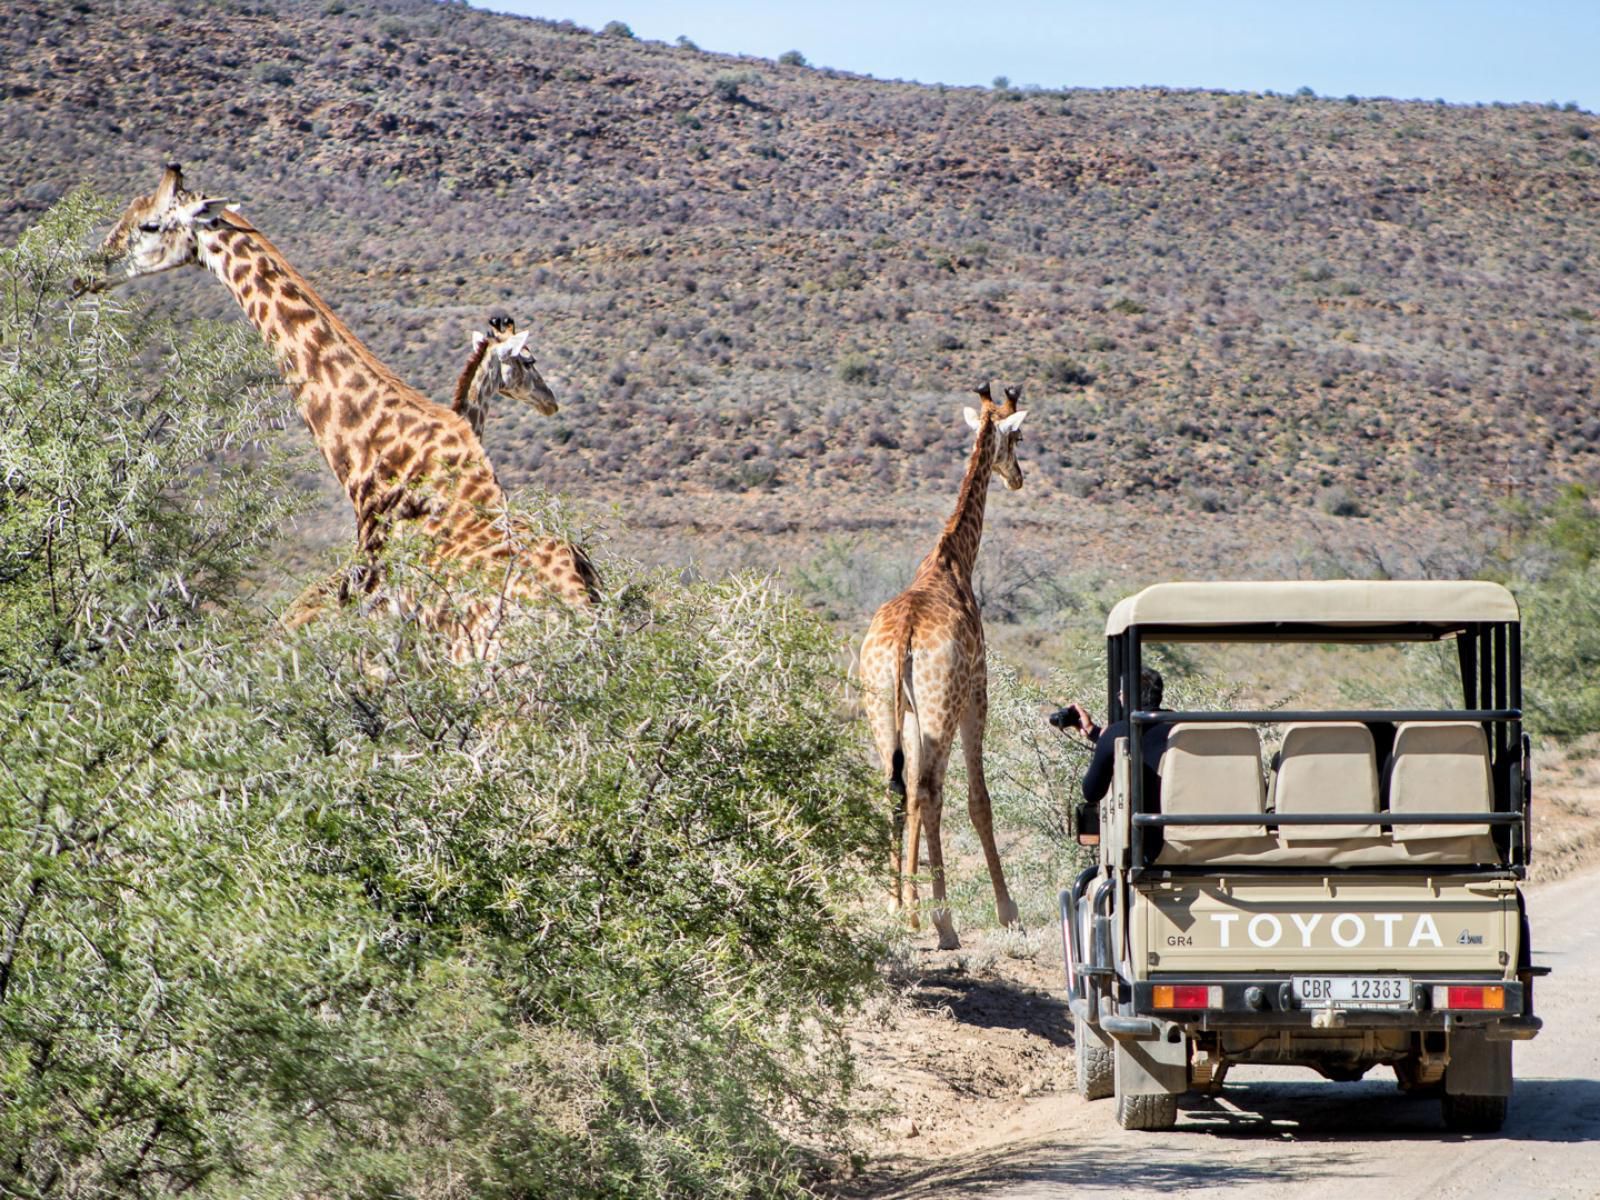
[(511, 364), (157, 232), (1006, 419)]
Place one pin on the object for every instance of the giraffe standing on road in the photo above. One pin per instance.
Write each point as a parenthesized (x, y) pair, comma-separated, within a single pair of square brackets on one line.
[(399, 457), (926, 678)]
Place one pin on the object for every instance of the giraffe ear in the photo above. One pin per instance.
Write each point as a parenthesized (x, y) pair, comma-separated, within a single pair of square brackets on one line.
[(479, 337), (972, 417), (1012, 423), (202, 212)]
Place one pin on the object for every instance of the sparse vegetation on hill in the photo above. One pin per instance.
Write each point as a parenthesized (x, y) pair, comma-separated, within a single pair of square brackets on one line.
[(319, 916), (1222, 303)]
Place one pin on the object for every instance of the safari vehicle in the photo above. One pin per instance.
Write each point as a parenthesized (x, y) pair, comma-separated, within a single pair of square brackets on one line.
[(1353, 902)]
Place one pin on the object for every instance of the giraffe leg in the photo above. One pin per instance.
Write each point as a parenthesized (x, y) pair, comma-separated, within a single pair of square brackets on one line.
[(931, 797), (877, 692), (896, 852), (973, 721), (916, 801)]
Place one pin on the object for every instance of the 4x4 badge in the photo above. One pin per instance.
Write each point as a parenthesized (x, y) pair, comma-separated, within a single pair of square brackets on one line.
[(1469, 939)]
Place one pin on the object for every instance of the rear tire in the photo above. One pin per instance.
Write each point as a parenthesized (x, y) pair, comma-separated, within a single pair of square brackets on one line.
[(1095, 1064), (1473, 1114), (1151, 1113)]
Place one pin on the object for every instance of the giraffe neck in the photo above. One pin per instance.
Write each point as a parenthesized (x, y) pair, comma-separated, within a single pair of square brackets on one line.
[(337, 382), (475, 388), (958, 544), (389, 446)]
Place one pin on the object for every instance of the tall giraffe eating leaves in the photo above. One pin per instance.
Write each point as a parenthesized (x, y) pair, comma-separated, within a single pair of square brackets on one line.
[(925, 675), (398, 456)]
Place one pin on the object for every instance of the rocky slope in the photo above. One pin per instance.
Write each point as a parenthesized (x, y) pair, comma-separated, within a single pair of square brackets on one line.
[(760, 290)]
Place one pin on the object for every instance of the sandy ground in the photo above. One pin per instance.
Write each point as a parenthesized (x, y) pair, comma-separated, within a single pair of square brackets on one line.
[(976, 1063)]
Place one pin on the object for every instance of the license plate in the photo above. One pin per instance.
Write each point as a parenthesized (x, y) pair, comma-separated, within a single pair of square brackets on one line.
[(1352, 991)]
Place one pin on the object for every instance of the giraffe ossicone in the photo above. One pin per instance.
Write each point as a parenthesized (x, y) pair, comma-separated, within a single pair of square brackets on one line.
[(924, 675)]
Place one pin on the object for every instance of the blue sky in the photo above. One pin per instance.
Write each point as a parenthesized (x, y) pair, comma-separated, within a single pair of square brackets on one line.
[(1457, 50)]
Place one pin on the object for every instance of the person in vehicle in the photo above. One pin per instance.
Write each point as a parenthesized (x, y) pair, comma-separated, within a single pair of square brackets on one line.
[(1097, 779)]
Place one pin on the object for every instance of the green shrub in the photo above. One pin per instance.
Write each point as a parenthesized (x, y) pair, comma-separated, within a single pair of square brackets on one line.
[(326, 915), (1065, 372), (1570, 527), (1553, 564), (617, 29), (793, 58), (273, 73), (1337, 501), (113, 516), (1561, 652), (858, 369), (728, 85)]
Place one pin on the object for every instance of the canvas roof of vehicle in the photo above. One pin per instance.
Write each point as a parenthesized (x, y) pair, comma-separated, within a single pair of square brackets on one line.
[(1343, 604)]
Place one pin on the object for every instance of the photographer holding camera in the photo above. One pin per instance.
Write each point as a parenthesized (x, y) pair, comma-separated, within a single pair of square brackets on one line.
[(1097, 779)]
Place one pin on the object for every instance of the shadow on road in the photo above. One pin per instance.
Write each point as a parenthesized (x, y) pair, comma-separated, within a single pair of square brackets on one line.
[(1542, 1110), (1311, 1121), (1112, 1169), (1554, 1110), (994, 1004)]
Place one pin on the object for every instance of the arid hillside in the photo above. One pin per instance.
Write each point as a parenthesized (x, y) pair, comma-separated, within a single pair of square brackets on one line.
[(760, 290)]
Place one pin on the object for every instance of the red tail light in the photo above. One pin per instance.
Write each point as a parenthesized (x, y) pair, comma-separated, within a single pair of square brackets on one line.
[(1472, 997), (1185, 995)]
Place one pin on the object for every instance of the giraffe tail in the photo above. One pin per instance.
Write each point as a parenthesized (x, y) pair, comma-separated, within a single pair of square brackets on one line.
[(903, 703), (588, 576)]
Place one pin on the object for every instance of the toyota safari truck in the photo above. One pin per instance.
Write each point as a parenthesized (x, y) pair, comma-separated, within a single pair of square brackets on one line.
[(1330, 889)]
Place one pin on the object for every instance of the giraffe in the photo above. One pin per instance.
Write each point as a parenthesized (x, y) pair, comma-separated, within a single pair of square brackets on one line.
[(925, 676), (499, 363), (398, 456), (502, 364)]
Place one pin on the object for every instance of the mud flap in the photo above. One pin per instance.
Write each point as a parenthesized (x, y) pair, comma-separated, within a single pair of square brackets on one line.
[(1478, 1067), (1159, 1068)]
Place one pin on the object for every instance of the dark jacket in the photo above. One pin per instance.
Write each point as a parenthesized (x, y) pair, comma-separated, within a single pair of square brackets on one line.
[(1152, 744), (1097, 779)]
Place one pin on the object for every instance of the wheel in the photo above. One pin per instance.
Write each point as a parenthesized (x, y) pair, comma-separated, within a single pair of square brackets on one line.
[(1092, 1056), (1473, 1114), (1147, 1112)]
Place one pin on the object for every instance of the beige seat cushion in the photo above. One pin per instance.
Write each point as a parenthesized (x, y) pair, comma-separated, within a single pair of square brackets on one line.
[(1326, 768), (1440, 766), (1211, 769)]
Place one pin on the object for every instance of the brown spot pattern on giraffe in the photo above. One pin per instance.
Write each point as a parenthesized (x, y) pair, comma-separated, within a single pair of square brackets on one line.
[(924, 674), (338, 384)]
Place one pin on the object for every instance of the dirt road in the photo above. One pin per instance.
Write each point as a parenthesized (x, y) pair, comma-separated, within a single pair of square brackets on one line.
[(1288, 1135)]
